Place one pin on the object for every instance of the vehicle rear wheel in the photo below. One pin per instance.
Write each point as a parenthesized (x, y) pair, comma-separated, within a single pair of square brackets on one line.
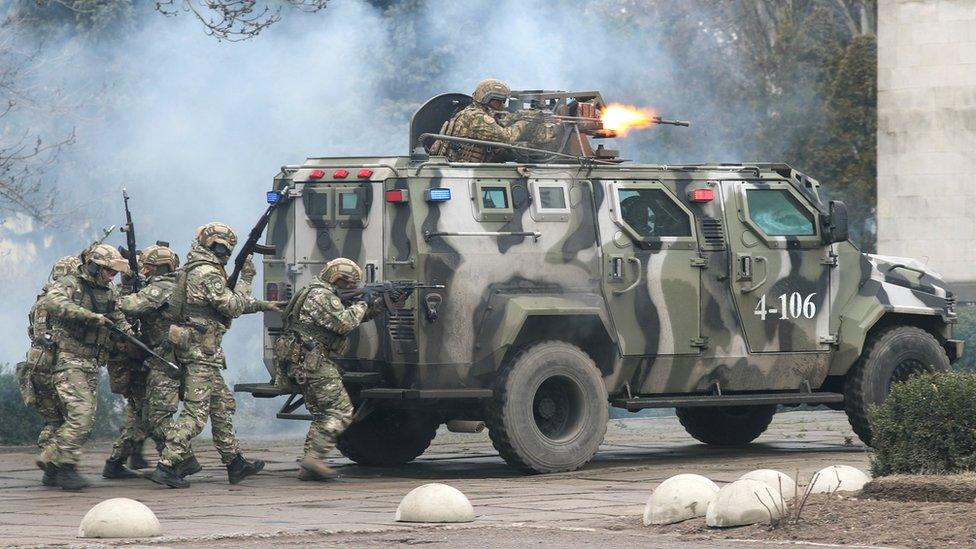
[(549, 412), (889, 356), (388, 437), (726, 425)]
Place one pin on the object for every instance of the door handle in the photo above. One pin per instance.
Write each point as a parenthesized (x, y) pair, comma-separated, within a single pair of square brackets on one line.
[(640, 276), (758, 259), (371, 272)]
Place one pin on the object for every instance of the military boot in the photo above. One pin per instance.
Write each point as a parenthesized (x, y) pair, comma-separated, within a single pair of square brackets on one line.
[(136, 460), (189, 466), (69, 479), (116, 469), (308, 476), (50, 477), (168, 476), (317, 467), (240, 468)]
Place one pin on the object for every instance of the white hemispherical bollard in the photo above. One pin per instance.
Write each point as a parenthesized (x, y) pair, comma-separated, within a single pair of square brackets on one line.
[(434, 503), (783, 483), (679, 498), (839, 478), (744, 502), (119, 518)]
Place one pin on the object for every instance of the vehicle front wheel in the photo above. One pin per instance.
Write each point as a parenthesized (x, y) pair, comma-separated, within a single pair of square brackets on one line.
[(726, 425), (388, 437), (889, 356), (549, 412)]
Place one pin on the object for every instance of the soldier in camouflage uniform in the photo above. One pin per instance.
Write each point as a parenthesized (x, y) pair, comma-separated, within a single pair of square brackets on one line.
[(150, 306), (34, 375), (316, 319), (129, 376), (203, 308), (478, 121), (81, 307)]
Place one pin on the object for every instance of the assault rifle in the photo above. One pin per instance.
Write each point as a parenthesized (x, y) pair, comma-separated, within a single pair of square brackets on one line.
[(392, 292), (130, 251), (251, 246), (145, 348)]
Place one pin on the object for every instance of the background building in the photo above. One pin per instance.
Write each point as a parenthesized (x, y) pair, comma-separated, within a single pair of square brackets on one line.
[(927, 135)]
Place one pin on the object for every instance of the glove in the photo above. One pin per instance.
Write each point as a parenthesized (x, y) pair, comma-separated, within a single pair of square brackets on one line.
[(269, 306), (102, 320), (247, 271)]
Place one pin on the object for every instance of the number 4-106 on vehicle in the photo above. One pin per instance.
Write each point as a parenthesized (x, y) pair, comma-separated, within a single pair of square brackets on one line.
[(791, 306)]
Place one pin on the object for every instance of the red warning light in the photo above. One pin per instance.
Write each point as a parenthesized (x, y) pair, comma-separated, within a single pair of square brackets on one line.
[(340, 174), (316, 174), (396, 196), (702, 195), (364, 173)]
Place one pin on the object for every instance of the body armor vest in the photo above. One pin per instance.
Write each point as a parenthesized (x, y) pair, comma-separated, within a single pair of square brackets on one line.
[(79, 337)]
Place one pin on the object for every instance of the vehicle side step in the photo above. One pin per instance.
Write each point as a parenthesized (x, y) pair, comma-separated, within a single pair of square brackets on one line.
[(413, 394), (698, 401)]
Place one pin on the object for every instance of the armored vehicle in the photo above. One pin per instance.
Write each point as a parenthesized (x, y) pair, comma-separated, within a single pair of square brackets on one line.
[(573, 280)]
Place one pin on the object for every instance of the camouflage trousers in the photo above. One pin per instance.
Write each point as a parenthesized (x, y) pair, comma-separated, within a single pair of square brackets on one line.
[(76, 381), (48, 405), (206, 396), (326, 400), (135, 425), (162, 401)]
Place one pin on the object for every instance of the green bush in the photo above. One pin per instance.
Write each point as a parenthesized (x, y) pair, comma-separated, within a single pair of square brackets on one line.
[(926, 426), (965, 329), (20, 424)]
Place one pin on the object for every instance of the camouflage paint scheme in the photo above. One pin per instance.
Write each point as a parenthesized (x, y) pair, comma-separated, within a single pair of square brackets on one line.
[(692, 321)]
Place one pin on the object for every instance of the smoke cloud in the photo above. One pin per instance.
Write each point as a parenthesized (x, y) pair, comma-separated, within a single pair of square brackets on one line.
[(196, 129)]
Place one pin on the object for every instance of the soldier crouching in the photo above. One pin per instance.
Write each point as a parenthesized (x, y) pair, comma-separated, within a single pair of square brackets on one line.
[(81, 308), (316, 319), (204, 307)]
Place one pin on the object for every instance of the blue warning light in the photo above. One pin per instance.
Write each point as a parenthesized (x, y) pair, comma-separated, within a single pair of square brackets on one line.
[(437, 194)]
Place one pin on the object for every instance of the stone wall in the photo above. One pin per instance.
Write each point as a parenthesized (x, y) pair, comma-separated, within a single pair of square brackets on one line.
[(927, 135)]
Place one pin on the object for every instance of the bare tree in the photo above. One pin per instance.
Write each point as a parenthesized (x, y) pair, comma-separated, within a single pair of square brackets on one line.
[(24, 155), (236, 20)]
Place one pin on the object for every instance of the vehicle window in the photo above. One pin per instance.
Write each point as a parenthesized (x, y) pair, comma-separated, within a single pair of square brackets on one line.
[(778, 213), (552, 198), (316, 204), (494, 198), (651, 213), (348, 203)]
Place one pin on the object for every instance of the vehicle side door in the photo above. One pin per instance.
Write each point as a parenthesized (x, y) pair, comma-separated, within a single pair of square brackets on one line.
[(780, 267)]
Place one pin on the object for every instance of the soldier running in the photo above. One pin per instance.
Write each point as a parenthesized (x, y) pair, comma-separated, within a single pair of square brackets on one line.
[(150, 305), (130, 376), (316, 319), (204, 307), (35, 375), (81, 308)]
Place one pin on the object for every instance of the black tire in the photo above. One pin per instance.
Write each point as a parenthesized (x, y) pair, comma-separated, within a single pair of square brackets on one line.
[(549, 412), (726, 425), (890, 355), (388, 437)]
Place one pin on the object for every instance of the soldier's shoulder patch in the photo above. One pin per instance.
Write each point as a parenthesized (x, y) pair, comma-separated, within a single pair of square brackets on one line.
[(489, 119), (334, 301)]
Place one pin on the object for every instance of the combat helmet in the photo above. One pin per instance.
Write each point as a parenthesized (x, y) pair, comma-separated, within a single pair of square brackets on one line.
[(216, 232), (159, 256), (106, 256), (65, 266), (490, 89), (341, 269)]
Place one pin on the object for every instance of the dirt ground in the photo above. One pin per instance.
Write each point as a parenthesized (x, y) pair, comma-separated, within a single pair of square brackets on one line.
[(600, 505)]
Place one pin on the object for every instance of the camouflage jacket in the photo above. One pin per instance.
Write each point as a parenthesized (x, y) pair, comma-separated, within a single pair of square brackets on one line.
[(149, 306), (476, 121), (319, 315), (71, 304), (37, 318), (202, 302)]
